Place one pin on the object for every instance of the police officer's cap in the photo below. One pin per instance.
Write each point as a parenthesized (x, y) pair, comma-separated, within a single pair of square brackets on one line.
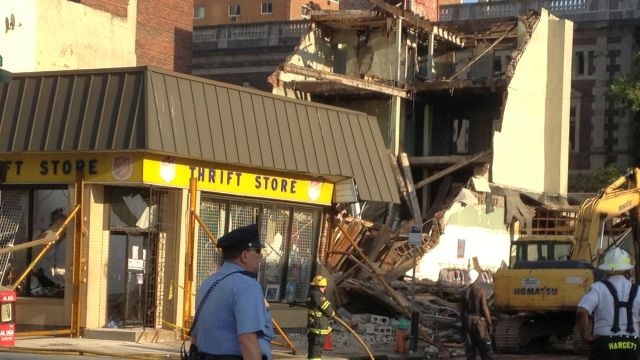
[(241, 238)]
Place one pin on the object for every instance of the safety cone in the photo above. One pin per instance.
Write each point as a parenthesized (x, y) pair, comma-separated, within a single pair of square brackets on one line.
[(328, 346)]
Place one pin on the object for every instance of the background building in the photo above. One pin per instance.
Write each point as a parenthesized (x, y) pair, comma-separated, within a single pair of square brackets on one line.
[(604, 42), (95, 34)]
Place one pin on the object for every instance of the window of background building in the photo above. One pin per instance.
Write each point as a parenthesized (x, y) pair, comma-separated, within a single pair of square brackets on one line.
[(267, 8), (234, 10), (289, 234), (198, 12), (574, 122), (579, 63)]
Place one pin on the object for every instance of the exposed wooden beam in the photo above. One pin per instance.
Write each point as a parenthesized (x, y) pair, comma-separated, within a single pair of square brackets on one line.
[(347, 80), (425, 161), (415, 20), (452, 168), (468, 65)]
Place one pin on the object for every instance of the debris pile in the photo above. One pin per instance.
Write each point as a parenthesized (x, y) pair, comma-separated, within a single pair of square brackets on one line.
[(367, 262)]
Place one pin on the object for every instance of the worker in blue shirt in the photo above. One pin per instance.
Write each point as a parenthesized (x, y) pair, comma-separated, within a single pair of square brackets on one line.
[(235, 321)]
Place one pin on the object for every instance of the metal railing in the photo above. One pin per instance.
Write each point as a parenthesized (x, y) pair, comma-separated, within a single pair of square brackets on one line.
[(575, 10), (264, 31)]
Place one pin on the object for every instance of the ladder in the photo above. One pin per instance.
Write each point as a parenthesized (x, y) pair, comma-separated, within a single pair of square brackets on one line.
[(11, 208)]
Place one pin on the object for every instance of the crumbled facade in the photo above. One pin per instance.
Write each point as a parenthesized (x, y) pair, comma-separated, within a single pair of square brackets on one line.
[(484, 100)]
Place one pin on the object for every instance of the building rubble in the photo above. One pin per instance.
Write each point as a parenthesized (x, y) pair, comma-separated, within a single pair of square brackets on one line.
[(369, 261)]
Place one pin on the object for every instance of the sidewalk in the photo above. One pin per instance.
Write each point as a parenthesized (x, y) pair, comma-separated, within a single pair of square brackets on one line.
[(132, 350)]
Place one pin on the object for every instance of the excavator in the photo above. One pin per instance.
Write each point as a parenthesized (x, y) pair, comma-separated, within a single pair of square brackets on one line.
[(538, 293)]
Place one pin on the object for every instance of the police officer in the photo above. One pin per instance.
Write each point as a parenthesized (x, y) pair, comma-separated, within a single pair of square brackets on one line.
[(320, 310), (615, 309), (476, 319), (234, 322)]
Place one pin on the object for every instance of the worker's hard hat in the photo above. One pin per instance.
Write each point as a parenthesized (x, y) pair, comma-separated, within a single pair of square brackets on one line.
[(473, 275), (616, 259), (319, 280)]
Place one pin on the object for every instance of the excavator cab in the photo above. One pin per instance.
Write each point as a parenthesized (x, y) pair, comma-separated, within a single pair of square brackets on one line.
[(544, 252)]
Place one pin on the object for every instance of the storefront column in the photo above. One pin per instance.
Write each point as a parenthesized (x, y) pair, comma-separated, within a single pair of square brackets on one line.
[(97, 251)]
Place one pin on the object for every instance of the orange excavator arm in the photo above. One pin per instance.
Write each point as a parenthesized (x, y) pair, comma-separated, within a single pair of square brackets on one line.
[(623, 195)]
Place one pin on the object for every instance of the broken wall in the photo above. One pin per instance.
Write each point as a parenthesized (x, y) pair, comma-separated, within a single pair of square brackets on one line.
[(314, 52), (469, 231), (530, 150), (425, 8)]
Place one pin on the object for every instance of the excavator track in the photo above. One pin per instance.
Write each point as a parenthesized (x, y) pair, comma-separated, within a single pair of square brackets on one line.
[(507, 334)]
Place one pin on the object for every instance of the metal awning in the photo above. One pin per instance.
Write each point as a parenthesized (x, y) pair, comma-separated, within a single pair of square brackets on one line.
[(154, 110)]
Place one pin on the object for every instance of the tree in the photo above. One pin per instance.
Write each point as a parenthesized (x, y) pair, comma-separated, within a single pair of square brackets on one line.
[(626, 89), (595, 181)]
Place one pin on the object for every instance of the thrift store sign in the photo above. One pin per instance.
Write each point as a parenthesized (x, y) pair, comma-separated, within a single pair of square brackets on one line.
[(135, 168), (238, 181)]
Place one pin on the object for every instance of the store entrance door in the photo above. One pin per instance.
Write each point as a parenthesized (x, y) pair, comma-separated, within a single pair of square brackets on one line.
[(129, 271)]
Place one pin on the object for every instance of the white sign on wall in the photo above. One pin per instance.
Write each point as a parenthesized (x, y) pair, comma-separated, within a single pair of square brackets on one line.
[(415, 236)]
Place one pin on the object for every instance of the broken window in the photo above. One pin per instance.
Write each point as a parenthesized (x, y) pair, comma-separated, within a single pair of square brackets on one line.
[(32, 215), (140, 220), (289, 235)]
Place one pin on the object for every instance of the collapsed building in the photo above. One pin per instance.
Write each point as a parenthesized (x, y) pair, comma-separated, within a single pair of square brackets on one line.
[(479, 109)]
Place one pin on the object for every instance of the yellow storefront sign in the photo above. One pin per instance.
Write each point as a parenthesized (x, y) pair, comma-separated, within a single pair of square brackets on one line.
[(63, 168), (236, 181), (136, 168)]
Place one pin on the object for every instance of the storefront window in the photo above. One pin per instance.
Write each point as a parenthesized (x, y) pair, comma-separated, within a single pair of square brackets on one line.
[(141, 222), (289, 234), (31, 215), (274, 230), (304, 231)]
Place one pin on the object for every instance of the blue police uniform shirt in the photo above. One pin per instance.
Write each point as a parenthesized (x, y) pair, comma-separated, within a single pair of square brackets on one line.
[(235, 307)]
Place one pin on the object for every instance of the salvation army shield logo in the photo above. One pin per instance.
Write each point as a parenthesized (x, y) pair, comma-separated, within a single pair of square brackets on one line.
[(167, 170), (122, 167)]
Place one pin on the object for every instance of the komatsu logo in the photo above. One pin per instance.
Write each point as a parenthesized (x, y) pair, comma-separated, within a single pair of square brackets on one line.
[(624, 206), (535, 291)]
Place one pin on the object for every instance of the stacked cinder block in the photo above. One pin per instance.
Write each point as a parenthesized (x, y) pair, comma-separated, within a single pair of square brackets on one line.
[(373, 329)]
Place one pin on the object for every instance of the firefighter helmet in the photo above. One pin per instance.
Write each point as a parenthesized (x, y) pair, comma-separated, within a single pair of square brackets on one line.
[(319, 280), (616, 259)]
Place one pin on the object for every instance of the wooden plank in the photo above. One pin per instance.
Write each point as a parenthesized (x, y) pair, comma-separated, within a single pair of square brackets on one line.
[(442, 191), (398, 175), (476, 263), (414, 205), (451, 169), (346, 80)]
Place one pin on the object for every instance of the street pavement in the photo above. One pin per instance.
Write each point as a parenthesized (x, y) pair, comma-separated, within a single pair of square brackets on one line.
[(62, 346), (124, 349)]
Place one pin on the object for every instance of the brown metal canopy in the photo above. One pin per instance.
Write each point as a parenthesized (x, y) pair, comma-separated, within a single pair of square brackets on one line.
[(150, 109)]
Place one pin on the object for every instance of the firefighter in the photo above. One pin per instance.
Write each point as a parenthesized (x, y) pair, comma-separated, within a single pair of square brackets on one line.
[(320, 310), (476, 320), (615, 322)]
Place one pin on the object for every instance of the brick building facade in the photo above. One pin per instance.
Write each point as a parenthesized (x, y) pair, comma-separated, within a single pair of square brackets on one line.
[(163, 30)]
